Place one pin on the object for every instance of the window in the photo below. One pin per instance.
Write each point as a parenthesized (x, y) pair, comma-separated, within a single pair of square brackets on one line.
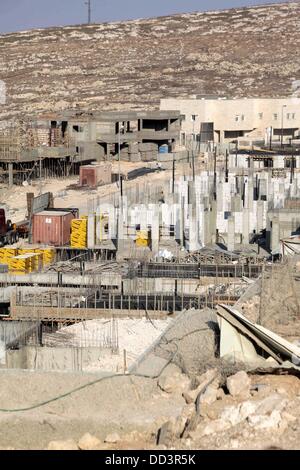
[(293, 115), (242, 117), (275, 116), (78, 128), (260, 115), (288, 116), (183, 140), (236, 117)]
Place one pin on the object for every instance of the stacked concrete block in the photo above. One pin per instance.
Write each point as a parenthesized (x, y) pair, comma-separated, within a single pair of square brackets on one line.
[(135, 157), (130, 153), (148, 151), (134, 154), (124, 154)]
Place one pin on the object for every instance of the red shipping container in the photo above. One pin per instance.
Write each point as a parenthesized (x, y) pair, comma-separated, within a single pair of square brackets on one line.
[(52, 228), (94, 175)]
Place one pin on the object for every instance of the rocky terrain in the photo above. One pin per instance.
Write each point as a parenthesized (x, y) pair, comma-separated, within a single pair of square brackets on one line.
[(238, 52), (211, 411), (178, 395)]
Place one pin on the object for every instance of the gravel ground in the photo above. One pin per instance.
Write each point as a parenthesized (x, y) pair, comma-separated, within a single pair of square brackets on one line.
[(120, 404)]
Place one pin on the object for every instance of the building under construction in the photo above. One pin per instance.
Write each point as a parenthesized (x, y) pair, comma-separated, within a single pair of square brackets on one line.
[(56, 145)]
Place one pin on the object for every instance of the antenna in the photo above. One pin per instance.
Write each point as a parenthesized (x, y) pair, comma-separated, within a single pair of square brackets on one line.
[(88, 3)]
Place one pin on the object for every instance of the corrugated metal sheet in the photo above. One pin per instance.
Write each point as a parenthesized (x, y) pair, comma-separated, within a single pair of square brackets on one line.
[(52, 228), (40, 203)]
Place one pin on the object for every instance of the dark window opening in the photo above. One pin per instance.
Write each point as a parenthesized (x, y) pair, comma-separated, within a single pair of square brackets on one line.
[(64, 126)]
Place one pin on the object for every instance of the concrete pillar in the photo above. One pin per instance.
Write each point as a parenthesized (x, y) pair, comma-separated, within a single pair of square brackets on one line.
[(236, 203), (120, 235), (213, 221), (231, 234), (112, 223), (91, 231), (179, 227), (250, 194), (246, 226), (220, 201), (260, 216), (10, 175), (143, 217), (191, 193), (155, 230), (193, 232), (275, 236)]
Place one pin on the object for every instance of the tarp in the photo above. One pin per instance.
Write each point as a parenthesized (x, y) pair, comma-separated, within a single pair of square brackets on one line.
[(237, 332), (290, 246)]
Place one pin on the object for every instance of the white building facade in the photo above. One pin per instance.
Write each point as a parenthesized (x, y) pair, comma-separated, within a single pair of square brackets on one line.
[(224, 120)]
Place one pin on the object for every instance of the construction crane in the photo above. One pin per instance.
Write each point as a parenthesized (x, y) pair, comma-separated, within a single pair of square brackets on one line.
[(88, 3)]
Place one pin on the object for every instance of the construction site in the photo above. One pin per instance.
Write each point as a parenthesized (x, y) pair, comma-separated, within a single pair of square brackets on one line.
[(107, 269), (150, 276)]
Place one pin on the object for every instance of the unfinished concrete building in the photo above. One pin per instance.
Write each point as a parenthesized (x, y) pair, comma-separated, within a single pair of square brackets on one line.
[(57, 144)]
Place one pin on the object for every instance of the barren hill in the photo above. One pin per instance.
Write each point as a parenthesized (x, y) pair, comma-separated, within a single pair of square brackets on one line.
[(238, 52)]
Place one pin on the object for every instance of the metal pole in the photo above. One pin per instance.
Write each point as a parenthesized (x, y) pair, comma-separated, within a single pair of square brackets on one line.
[(173, 175), (40, 175), (215, 173), (281, 140), (88, 3), (119, 153)]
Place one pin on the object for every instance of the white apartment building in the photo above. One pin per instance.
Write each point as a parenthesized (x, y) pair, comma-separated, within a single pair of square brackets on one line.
[(223, 120)]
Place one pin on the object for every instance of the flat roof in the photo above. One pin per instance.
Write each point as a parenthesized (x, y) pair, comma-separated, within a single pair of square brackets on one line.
[(115, 116), (53, 213)]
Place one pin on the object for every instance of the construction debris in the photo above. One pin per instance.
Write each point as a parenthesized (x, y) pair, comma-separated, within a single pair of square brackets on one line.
[(239, 335)]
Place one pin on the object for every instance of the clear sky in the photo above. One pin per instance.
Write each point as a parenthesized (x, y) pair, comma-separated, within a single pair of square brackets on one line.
[(17, 15)]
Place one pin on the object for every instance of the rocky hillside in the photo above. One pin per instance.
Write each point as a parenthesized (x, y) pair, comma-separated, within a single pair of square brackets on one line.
[(238, 52)]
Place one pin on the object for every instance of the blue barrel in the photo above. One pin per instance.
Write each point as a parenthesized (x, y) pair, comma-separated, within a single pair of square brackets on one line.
[(164, 149)]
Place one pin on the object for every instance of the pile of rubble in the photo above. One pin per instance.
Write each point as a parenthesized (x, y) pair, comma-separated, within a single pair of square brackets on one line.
[(225, 414), (219, 413)]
